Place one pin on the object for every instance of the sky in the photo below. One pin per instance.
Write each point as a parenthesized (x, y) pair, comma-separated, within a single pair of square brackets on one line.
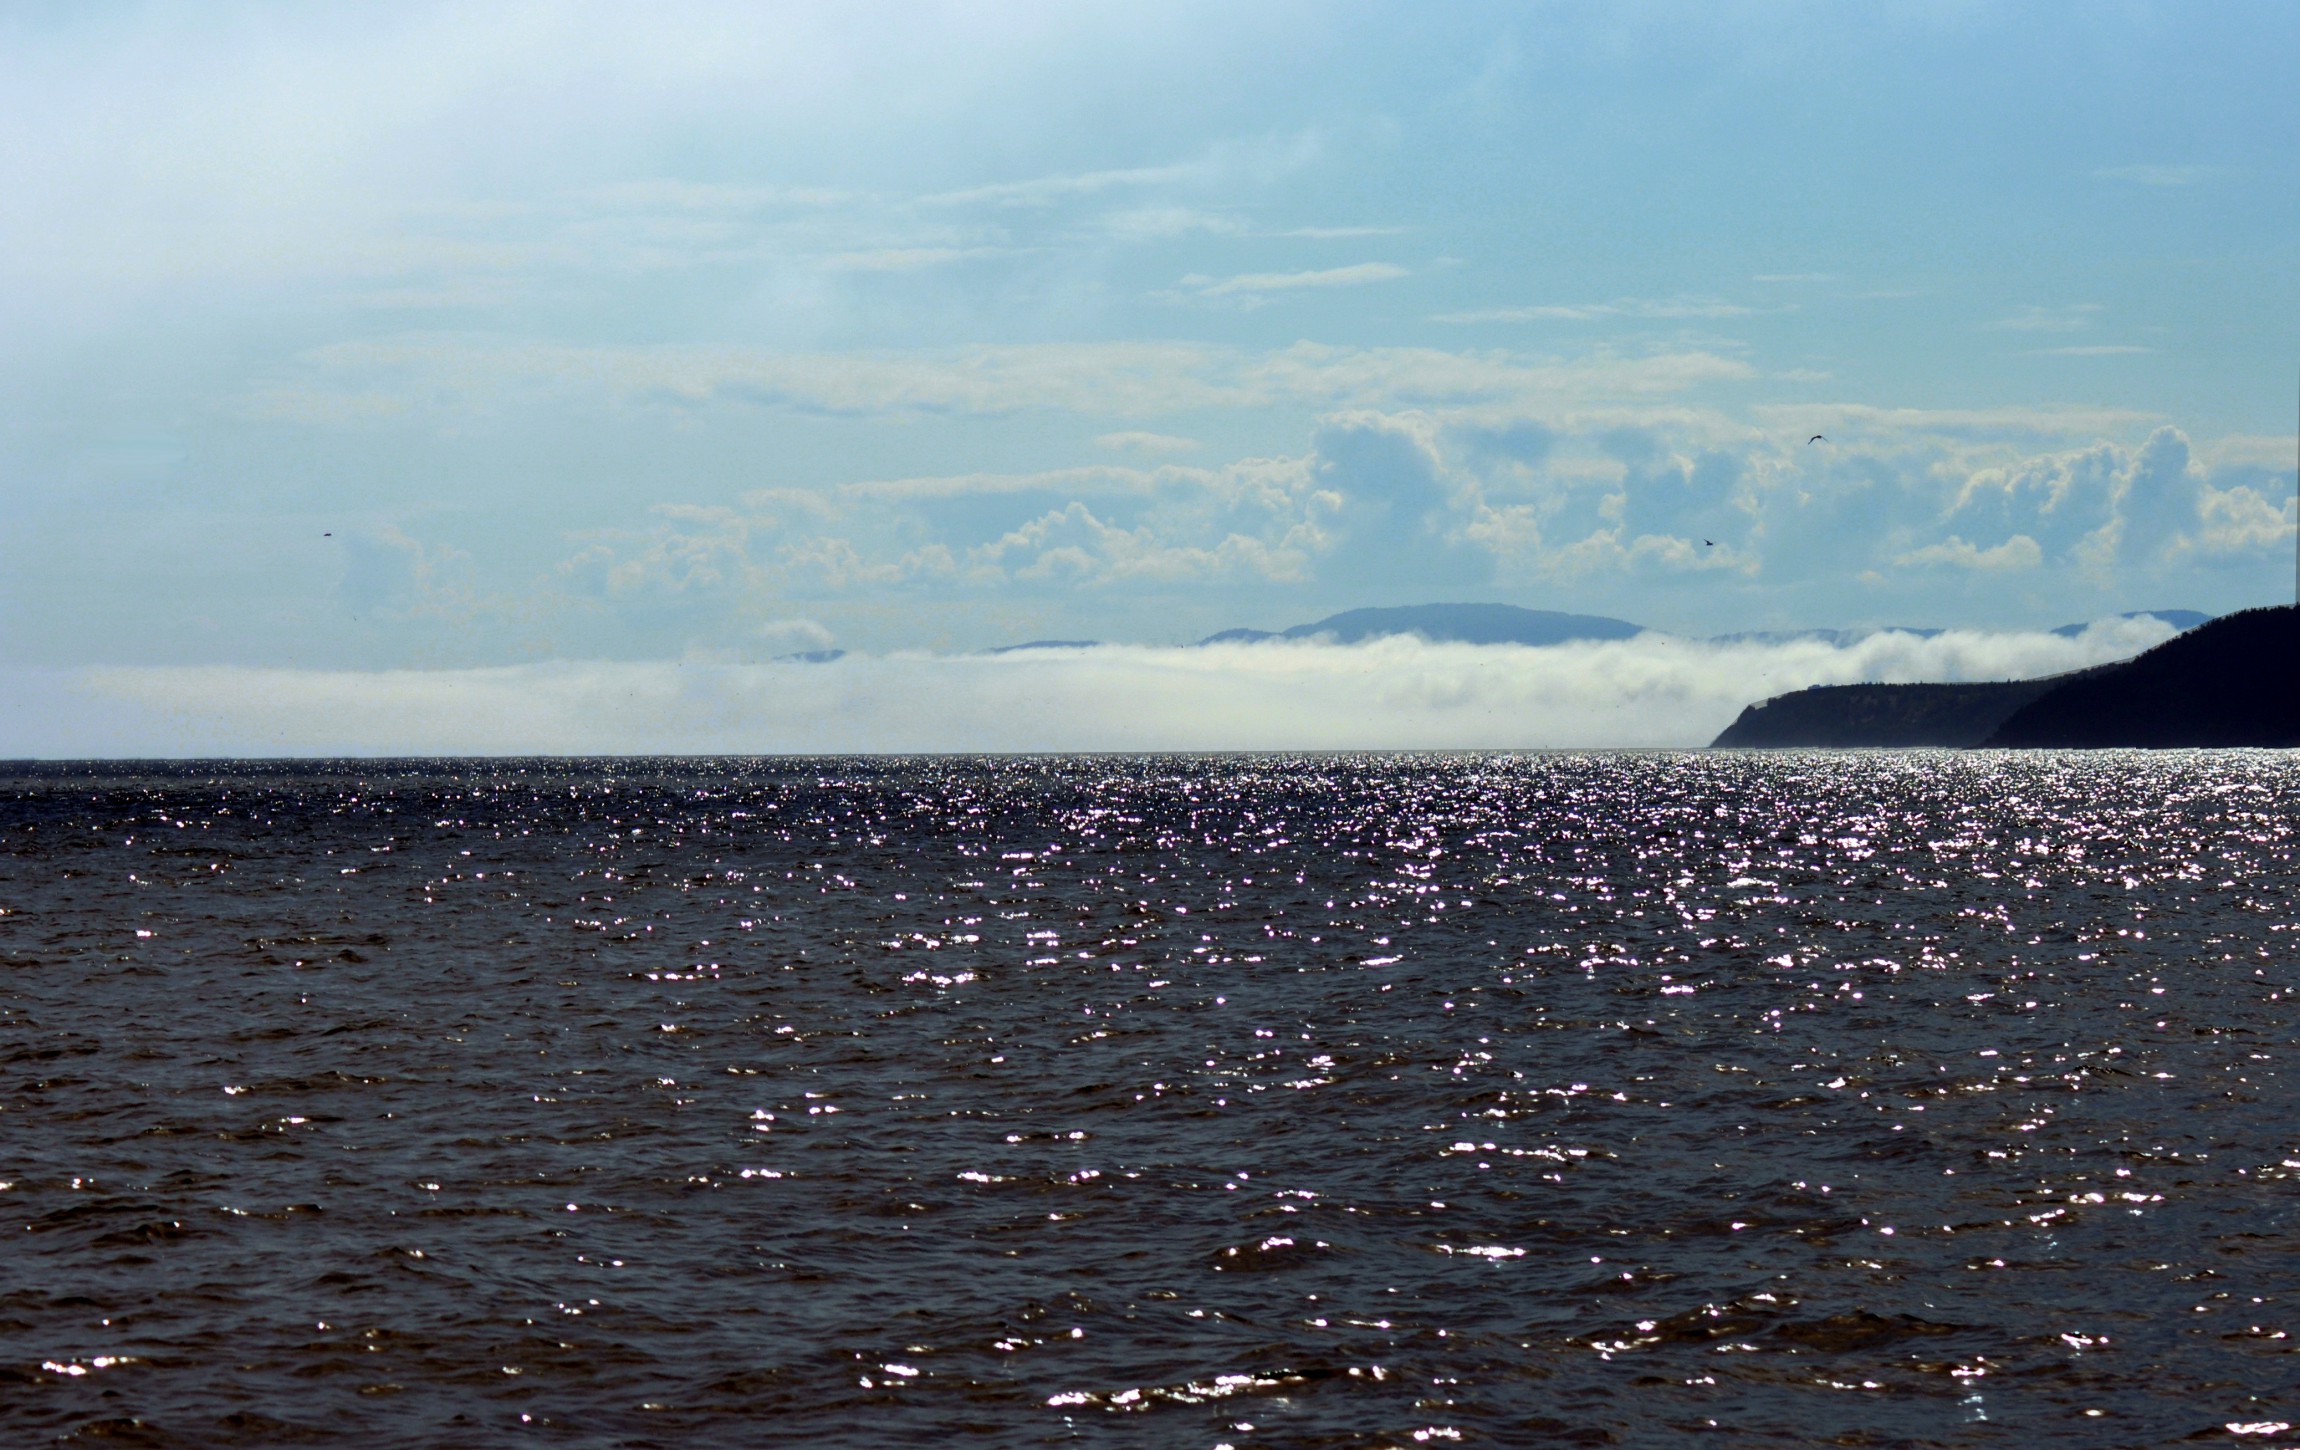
[(380, 349)]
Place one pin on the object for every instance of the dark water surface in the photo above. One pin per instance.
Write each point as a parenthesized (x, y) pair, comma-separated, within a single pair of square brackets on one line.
[(1905, 1099)]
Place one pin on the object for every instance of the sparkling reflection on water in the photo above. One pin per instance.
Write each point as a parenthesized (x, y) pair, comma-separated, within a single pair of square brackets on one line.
[(1567, 1099)]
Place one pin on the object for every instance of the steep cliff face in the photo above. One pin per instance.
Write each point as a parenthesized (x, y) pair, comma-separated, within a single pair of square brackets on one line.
[(2235, 681)]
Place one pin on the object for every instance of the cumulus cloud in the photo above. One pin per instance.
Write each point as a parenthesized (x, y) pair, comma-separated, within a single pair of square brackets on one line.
[(2018, 552), (793, 634), (1400, 693), (1072, 545), (1103, 526), (2237, 521), (1398, 504)]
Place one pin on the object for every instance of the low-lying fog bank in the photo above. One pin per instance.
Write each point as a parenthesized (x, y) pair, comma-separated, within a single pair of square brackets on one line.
[(1395, 693)]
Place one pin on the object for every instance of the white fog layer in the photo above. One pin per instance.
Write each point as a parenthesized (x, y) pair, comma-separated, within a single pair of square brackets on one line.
[(1394, 693)]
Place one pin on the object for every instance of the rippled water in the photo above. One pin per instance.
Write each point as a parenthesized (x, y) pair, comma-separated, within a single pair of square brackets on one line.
[(1908, 1099)]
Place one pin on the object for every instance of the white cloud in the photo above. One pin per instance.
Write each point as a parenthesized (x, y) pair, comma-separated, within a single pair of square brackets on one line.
[(670, 193), (157, 148), (2237, 521), (356, 383), (1042, 191), (699, 552), (2059, 421), (910, 259), (793, 634), (1666, 309), (1391, 693), (1140, 442), (1251, 160), (2018, 552), (1430, 502), (1070, 544), (1357, 275), (2071, 318), (1164, 223), (1105, 526), (2254, 450)]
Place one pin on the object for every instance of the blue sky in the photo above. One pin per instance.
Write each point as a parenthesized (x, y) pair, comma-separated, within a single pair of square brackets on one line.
[(420, 338)]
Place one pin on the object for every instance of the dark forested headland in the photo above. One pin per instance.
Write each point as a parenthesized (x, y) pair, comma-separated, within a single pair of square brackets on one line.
[(1840, 716), (2233, 681)]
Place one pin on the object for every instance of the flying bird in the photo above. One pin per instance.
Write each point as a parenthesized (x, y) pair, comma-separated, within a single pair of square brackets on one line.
[(1816, 438), (1712, 543)]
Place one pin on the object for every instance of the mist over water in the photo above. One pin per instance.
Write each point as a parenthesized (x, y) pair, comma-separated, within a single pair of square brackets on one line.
[(1398, 692), (1910, 1098)]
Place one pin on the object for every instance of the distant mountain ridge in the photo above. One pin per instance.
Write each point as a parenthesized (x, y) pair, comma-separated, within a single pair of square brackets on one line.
[(1510, 624), (2179, 619), (1485, 624), (1446, 624), (1007, 649)]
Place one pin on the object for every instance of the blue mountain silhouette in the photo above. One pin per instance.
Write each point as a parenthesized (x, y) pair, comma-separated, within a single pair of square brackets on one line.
[(1446, 624)]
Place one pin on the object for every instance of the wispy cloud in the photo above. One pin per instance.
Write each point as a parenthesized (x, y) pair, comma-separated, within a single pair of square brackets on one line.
[(1140, 442), (2062, 422), (351, 382), (1165, 223), (910, 259), (1040, 191), (674, 194), (1255, 283), (1677, 308), (1240, 159), (2253, 450), (2071, 318)]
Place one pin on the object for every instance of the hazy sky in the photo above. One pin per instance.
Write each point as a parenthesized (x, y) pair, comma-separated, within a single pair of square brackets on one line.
[(407, 337)]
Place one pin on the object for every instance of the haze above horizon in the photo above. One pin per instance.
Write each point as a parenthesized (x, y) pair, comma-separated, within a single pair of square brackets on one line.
[(436, 336)]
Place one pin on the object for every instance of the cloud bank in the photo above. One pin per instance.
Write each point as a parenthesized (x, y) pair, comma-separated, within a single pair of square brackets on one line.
[(1609, 509), (1395, 693)]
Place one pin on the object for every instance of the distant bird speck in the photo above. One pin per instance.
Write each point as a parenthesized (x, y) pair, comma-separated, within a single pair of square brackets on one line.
[(327, 536), (1712, 543), (1816, 438)]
